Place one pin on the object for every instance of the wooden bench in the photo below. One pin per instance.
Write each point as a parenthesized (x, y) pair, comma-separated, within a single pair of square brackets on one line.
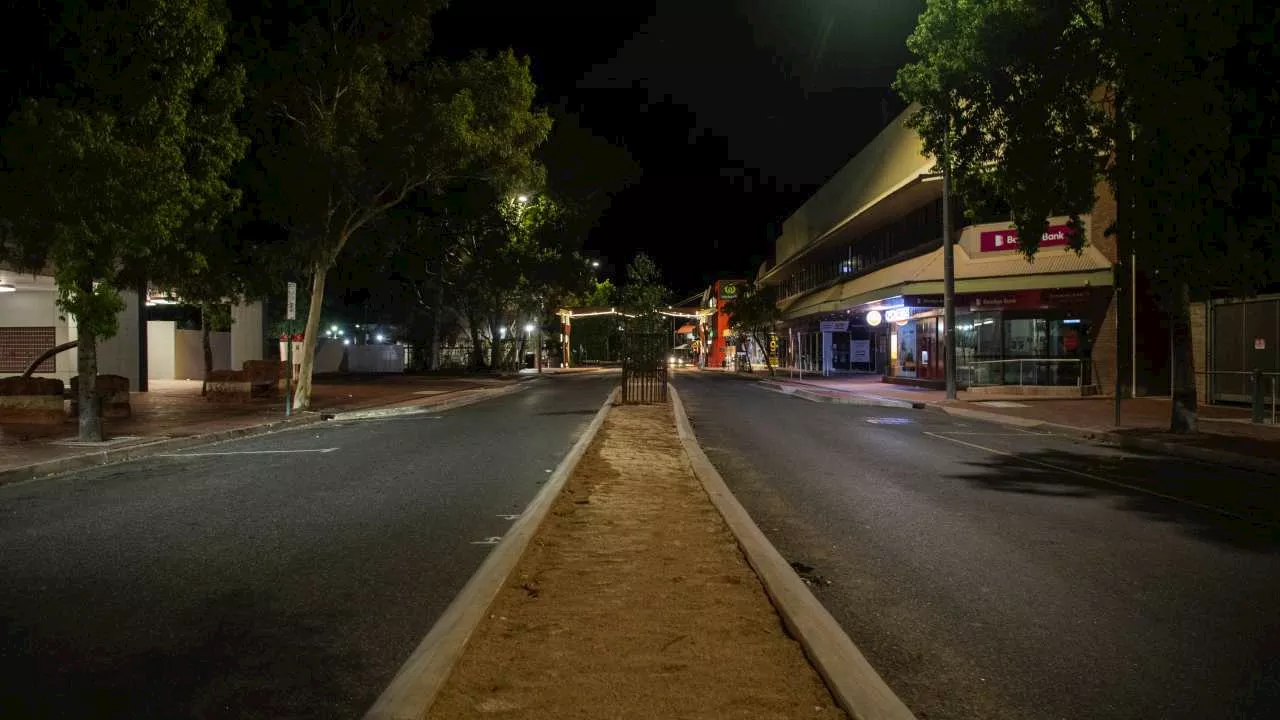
[(113, 396), (31, 401)]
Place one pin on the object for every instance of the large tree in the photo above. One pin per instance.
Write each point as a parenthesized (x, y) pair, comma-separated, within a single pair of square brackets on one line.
[(121, 131), (353, 116), (755, 314), (1037, 101)]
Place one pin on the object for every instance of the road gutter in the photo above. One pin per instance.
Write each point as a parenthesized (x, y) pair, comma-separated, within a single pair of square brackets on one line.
[(422, 676), (1126, 442), (856, 686)]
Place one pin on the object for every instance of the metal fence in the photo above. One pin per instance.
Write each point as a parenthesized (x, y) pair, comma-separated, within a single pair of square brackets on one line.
[(1258, 388), (645, 342)]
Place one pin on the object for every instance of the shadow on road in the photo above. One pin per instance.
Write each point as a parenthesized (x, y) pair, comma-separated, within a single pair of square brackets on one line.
[(238, 656), (1218, 504)]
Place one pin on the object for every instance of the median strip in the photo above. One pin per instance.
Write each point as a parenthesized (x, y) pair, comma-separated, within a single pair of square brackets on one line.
[(633, 601)]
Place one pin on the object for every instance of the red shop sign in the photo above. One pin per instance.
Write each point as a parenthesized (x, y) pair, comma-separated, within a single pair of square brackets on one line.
[(1001, 240)]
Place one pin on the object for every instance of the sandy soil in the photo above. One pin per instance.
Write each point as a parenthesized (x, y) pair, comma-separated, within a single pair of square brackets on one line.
[(633, 601)]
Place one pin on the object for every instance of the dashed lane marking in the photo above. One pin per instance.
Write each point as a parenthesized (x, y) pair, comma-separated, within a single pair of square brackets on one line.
[(245, 452)]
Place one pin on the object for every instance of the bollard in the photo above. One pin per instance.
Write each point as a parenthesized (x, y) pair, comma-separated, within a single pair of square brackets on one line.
[(1258, 403)]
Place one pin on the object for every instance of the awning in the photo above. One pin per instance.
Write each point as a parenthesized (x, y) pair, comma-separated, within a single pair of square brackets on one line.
[(685, 329)]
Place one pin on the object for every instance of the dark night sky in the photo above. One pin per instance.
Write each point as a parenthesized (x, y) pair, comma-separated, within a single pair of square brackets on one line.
[(733, 110)]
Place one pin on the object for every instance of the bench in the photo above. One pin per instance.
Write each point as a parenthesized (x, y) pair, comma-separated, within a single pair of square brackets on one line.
[(259, 378), (113, 396), (31, 401)]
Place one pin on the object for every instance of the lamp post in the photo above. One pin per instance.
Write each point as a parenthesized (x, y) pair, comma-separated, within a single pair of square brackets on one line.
[(531, 329)]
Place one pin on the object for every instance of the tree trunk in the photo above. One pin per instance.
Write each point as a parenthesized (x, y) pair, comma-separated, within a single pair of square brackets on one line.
[(87, 368), (435, 326), (206, 343), (477, 349), (306, 365), (495, 346), (1183, 417), (764, 350)]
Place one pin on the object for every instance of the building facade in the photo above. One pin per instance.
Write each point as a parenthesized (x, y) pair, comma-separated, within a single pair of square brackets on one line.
[(858, 271)]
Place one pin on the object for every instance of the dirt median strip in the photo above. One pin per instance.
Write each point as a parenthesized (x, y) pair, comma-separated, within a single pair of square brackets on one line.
[(633, 601)]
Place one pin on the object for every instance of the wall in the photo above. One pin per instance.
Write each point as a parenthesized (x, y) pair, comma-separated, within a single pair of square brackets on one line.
[(1200, 349), (375, 359), (188, 363), (246, 334), (119, 355), (160, 349)]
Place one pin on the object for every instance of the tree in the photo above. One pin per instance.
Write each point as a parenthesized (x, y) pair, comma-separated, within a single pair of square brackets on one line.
[(122, 131), (643, 291), (352, 117), (1036, 102), (755, 314)]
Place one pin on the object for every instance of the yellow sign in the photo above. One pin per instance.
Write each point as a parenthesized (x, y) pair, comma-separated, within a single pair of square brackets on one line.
[(773, 349), (728, 290)]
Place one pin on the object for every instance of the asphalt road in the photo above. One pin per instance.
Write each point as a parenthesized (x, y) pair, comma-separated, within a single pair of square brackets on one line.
[(992, 573), (264, 584)]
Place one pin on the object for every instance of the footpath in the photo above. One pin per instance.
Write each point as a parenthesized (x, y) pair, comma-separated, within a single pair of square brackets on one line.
[(636, 587), (1226, 434), (173, 414)]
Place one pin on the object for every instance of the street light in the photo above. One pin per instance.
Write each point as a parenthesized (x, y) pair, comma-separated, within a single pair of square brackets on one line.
[(378, 337), (522, 199), (528, 327), (595, 263)]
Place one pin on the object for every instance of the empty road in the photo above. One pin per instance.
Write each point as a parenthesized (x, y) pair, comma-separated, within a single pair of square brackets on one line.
[(988, 572), (284, 576)]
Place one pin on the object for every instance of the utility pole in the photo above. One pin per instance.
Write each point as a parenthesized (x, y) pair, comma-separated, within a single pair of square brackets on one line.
[(948, 266)]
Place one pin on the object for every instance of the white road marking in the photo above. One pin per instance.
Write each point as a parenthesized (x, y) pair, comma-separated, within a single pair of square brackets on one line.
[(990, 434), (1099, 478), (509, 517), (245, 452), (487, 541)]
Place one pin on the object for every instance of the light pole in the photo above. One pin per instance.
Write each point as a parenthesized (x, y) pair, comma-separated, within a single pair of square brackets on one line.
[(531, 329), (948, 267)]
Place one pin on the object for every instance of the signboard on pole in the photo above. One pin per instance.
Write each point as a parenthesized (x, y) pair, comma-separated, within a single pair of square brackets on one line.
[(291, 306), (862, 351)]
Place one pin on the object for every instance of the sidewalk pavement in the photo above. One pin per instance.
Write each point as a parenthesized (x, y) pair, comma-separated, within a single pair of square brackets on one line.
[(1226, 434), (174, 410)]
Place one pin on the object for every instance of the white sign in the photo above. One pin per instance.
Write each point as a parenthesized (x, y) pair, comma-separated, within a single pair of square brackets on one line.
[(874, 317), (861, 351), (291, 309), (1259, 343), (897, 314), (835, 326)]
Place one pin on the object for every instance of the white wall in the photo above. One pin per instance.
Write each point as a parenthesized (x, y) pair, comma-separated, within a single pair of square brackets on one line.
[(119, 355), (375, 359), (328, 357), (188, 353), (161, 357), (246, 334), (28, 308)]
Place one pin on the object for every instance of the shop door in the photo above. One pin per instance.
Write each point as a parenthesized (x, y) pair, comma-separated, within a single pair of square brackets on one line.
[(927, 345)]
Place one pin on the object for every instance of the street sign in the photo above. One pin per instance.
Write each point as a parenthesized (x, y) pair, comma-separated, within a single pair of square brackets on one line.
[(291, 309), (1259, 343), (835, 325)]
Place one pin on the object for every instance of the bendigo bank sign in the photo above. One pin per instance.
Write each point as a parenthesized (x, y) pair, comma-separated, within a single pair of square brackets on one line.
[(1000, 240)]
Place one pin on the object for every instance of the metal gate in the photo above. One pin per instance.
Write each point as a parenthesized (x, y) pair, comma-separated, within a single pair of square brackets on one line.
[(645, 344)]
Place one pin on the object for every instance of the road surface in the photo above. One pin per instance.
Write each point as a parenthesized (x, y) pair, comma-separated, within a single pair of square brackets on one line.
[(285, 576), (988, 572)]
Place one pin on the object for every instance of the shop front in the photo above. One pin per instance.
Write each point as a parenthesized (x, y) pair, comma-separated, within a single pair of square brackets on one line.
[(1022, 337)]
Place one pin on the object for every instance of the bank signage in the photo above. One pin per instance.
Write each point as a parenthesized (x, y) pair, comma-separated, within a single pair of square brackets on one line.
[(1020, 299), (834, 326), (1002, 240)]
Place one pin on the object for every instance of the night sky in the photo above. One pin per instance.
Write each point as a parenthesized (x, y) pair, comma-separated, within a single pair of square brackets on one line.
[(724, 114)]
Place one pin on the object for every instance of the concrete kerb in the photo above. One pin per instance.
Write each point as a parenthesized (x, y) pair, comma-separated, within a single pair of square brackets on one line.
[(854, 684), (1116, 439), (137, 451), (125, 453), (421, 677), (845, 399), (472, 397)]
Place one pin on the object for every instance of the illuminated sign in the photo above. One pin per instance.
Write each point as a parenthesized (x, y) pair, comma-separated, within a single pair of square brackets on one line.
[(874, 317), (897, 314), (728, 290)]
